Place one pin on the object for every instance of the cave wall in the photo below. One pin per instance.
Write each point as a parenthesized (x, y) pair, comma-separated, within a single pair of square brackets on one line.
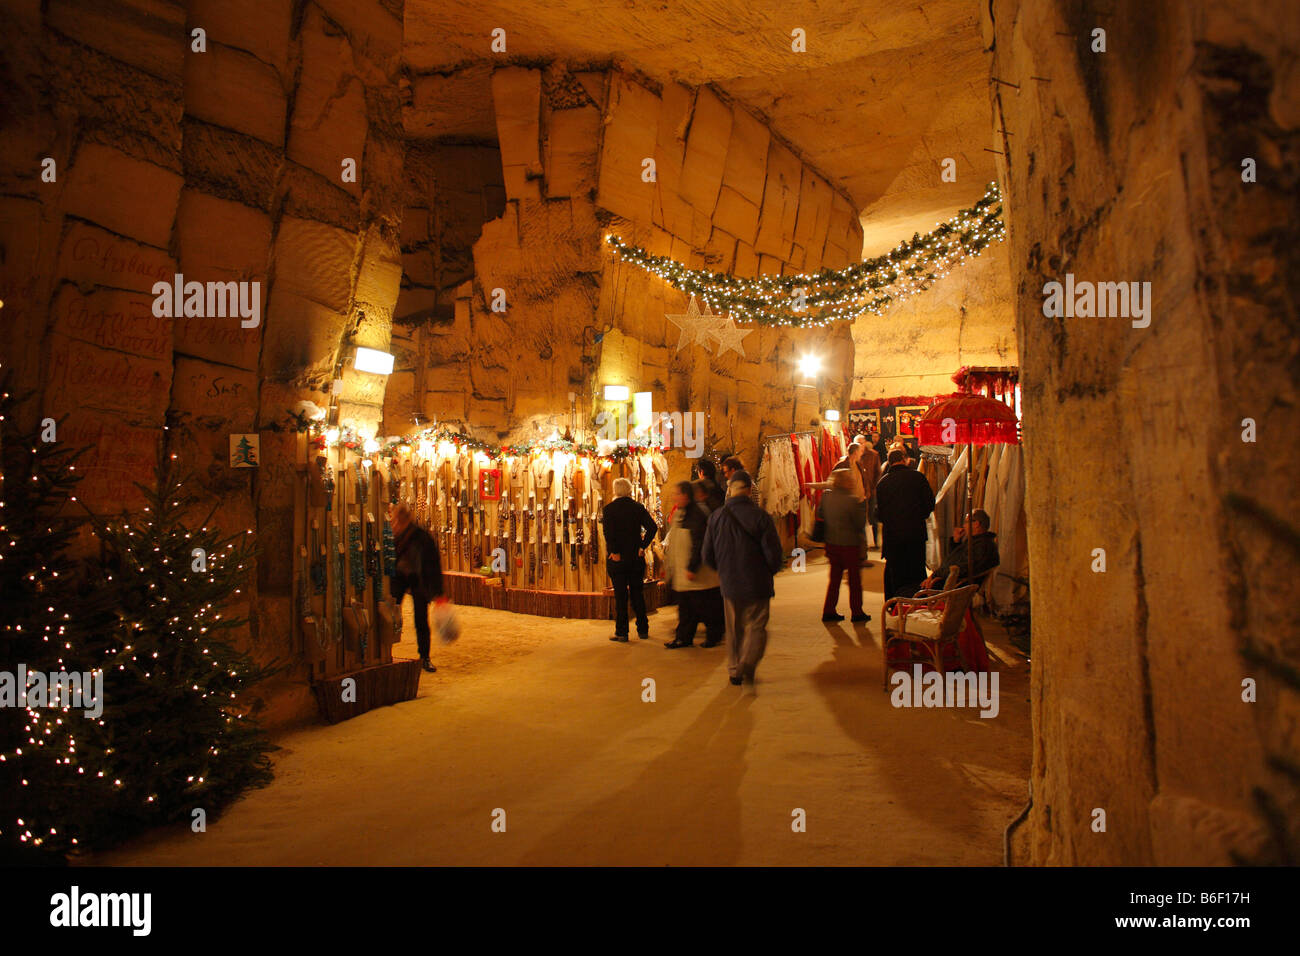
[(965, 318), (1127, 166), (223, 165), (726, 195)]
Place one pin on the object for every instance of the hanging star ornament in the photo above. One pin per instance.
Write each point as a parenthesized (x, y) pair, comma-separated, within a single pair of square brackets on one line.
[(697, 327), (730, 335)]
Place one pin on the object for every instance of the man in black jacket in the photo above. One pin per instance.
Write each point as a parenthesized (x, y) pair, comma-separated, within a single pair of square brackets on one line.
[(742, 543), (904, 499), (419, 571), (629, 529), (981, 556)]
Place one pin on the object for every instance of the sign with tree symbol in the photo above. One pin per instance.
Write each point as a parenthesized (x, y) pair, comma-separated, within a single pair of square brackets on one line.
[(245, 451)]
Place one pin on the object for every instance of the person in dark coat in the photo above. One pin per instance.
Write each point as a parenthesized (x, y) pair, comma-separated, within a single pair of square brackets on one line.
[(742, 543), (694, 582), (707, 496), (418, 571), (708, 473), (869, 466), (844, 517), (983, 553), (880, 447), (904, 500), (629, 529)]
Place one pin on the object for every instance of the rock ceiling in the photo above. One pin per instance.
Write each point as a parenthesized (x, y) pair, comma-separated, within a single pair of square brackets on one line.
[(884, 93)]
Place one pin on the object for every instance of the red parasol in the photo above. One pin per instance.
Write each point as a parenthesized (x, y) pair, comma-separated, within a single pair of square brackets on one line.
[(968, 420)]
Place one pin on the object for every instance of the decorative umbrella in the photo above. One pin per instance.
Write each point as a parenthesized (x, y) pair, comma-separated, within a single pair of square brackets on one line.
[(968, 420)]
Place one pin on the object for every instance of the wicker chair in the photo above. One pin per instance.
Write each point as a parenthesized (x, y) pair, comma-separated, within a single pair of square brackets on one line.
[(927, 624)]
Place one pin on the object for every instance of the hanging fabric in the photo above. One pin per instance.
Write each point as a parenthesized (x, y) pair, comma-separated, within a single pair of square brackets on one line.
[(939, 524)]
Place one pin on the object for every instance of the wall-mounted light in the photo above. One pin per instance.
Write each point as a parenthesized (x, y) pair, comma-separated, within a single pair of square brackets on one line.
[(331, 436), (809, 365), (643, 409), (373, 360), (371, 446), (832, 414), (617, 393)]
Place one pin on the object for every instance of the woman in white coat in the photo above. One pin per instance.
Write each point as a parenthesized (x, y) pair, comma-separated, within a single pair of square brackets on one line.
[(699, 597)]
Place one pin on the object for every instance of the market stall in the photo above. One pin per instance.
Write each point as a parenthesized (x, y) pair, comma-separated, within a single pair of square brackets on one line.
[(517, 527)]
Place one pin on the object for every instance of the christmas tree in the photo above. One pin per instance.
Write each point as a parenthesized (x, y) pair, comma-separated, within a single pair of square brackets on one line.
[(176, 734), (42, 601), (244, 452)]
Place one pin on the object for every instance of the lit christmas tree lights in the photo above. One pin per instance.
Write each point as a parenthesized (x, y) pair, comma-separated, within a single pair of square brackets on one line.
[(175, 733)]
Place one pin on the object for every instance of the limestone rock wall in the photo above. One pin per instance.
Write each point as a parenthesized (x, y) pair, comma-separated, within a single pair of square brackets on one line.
[(1127, 166), (965, 318), (726, 195), (222, 165)]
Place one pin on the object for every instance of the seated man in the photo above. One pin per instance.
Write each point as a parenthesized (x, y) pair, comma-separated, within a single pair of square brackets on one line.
[(983, 553)]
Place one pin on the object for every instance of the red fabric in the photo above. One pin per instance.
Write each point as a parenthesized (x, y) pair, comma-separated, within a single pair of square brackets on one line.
[(926, 400), (972, 645), (829, 454), (806, 469), (969, 418)]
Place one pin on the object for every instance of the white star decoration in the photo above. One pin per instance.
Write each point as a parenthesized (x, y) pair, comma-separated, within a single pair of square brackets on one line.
[(698, 327), (729, 336)]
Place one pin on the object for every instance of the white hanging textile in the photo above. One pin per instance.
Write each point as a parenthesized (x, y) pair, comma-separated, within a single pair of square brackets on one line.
[(934, 548), (778, 483)]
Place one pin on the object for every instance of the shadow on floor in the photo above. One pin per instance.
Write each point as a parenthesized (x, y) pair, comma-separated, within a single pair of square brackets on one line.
[(690, 792), (930, 752)]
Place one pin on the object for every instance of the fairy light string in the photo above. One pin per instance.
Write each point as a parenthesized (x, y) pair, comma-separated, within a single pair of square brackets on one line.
[(821, 298)]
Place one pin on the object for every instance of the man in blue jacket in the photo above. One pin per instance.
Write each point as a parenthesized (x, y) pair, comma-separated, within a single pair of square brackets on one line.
[(742, 543)]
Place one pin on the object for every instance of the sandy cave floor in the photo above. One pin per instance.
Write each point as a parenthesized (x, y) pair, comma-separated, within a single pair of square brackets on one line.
[(544, 718)]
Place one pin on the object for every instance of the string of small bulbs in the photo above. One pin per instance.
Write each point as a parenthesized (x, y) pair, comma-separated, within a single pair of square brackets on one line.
[(818, 299)]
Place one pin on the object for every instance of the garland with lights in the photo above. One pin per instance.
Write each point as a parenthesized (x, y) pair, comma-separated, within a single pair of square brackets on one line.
[(175, 734), (327, 436), (834, 296)]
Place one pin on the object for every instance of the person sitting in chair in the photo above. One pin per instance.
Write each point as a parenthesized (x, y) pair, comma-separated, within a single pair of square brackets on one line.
[(983, 552)]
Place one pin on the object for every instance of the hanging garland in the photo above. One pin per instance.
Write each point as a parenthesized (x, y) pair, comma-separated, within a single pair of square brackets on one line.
[(350, 438), (833, 296), (864, 403)]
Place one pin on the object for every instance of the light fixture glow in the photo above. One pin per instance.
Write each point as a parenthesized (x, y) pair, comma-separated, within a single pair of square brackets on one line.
[(832, 414), (617, 393), (642, 410), (373, 360), (809, 365)]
